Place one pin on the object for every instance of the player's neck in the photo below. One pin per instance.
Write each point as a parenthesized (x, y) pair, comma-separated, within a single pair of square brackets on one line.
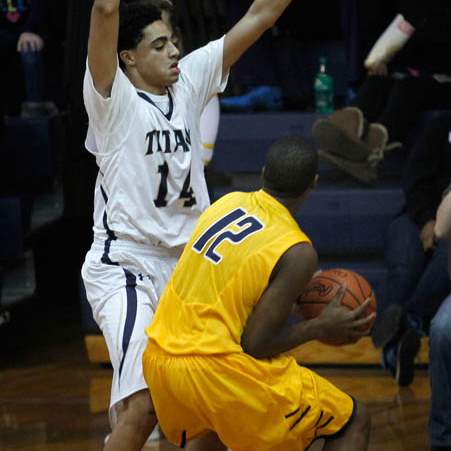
[(292, 204), (140, 84)]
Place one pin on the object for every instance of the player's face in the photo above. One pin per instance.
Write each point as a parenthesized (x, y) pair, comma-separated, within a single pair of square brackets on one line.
[(156, 56), (166, 17)]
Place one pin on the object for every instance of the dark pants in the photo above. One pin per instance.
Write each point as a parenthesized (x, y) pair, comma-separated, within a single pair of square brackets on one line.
[(418, 281), (33, 66), (23, 73), (440, 374), (397, 104)]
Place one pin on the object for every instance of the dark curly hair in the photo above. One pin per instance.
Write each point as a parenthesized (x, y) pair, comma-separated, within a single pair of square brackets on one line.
[(134, 18), (291, 166)]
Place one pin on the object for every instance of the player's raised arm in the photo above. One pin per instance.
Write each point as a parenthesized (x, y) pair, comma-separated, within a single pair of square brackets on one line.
[(102, 44), (261, 16)]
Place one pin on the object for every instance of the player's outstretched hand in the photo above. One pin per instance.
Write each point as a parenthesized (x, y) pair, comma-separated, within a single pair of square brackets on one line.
[(339, 324)]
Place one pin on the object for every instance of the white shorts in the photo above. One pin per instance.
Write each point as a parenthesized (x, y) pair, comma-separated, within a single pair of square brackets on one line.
[(123, 296)]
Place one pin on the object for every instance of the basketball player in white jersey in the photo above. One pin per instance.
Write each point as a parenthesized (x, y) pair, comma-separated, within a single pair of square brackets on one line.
[(144, 107)]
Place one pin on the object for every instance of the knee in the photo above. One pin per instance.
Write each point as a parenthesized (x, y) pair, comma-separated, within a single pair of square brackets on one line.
[(362, 417), (138, 411)]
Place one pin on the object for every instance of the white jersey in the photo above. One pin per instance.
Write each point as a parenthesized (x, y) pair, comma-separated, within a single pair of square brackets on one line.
[(151, 187)]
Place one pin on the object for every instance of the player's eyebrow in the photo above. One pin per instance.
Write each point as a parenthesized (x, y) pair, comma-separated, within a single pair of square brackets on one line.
[(163, 39)]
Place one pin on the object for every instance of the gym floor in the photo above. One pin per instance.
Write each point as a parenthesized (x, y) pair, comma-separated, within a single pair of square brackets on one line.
[(53, 399)]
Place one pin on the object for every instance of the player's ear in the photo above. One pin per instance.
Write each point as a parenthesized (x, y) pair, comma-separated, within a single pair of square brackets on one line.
[(127, 58)]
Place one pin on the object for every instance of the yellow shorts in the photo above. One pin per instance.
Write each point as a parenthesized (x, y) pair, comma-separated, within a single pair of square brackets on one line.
[(251, 404)]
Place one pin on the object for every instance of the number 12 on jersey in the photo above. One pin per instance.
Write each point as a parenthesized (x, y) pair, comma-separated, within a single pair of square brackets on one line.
[(248, 224)]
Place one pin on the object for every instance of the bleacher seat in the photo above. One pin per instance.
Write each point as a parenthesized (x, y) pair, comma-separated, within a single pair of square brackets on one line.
[(28, 171)]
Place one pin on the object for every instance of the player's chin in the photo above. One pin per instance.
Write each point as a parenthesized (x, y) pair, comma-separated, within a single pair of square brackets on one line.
[(173, 77)]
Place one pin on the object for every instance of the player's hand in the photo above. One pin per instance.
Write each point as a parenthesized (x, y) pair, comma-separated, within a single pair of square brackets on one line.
[(427, 235), (30, 42), (339, 324)]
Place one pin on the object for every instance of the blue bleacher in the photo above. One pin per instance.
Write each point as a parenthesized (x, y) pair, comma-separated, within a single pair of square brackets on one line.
[(28, 173)]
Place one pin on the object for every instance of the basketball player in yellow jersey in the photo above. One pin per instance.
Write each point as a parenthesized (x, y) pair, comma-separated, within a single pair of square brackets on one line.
[(213, 362)]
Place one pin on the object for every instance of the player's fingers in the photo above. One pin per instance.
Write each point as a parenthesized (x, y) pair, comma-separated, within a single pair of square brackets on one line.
[(358, 334), (339, 295), (361, 323), (360, 310)]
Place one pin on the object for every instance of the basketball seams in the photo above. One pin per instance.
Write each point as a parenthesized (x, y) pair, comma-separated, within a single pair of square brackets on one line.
[(323, 288), (357, 278), (335, 281)]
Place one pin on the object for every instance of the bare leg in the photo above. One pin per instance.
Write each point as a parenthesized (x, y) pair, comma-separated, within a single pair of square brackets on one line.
[(136, 421), (208, 442), (357, 434)]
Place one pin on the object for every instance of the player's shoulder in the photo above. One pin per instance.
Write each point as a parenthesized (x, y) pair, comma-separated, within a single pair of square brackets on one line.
[(121, 83), (297, 260)]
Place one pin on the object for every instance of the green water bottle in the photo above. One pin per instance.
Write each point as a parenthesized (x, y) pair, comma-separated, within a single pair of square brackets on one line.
[(324, 89)]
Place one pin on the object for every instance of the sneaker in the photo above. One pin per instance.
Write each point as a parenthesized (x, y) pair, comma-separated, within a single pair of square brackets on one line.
[(407, 349), (387, 325), (268, 98), (363, 171)]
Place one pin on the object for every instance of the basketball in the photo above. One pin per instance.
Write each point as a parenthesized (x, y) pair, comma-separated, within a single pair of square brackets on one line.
[(324, 286)]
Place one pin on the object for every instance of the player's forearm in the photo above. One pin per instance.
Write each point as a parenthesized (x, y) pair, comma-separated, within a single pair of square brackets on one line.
[(266, 12), (443, 220), (289, 338), (102, 44)]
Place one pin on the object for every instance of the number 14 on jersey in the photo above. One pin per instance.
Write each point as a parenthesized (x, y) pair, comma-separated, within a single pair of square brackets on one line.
[(187, 192)]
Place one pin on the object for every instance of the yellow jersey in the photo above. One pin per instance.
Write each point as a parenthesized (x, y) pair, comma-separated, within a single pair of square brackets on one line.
[(222, 273)]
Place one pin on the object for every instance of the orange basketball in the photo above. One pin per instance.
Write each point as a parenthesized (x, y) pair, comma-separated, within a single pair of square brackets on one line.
[(324, 286)]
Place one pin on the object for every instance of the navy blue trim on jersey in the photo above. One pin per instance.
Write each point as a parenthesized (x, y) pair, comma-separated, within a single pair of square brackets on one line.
[(303, 414), (183, 441), (339, 434), (216, 228), (168, 116), (111, 236), (130, 319)]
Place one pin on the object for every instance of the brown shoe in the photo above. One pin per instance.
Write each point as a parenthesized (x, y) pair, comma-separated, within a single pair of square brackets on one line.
[(334, 140), (363, 171), (350, 120), (376, 137)]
